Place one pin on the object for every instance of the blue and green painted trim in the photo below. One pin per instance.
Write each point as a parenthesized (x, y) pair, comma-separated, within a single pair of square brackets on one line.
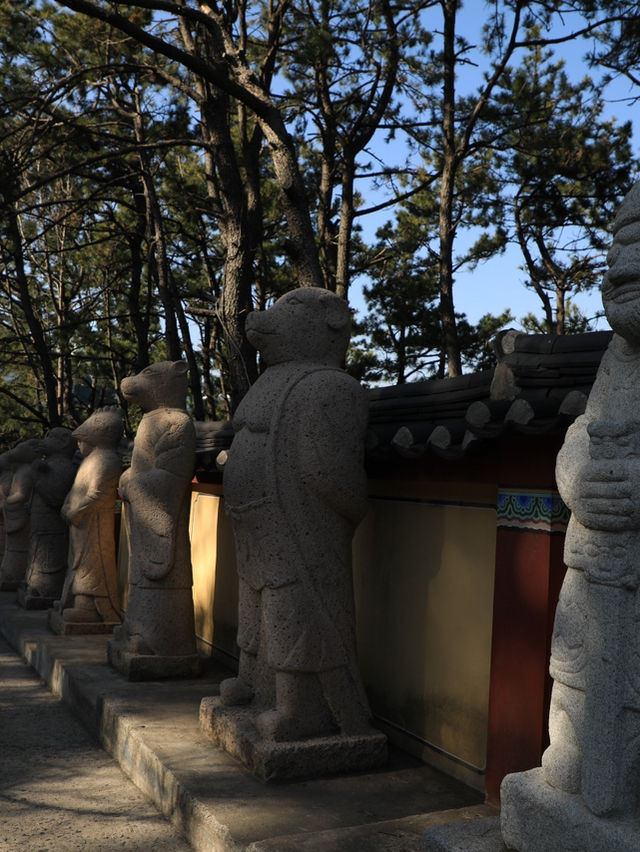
[(536, 511)]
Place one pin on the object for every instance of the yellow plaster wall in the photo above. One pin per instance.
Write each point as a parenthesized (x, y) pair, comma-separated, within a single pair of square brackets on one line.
[(215, 585), (424, 562), (423, 578)]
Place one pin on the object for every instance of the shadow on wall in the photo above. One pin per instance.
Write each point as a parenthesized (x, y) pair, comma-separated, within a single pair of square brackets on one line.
[(423, 573), (423, 579)]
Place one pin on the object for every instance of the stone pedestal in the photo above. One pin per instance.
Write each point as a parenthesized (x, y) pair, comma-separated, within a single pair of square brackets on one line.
[(30, 601), (136, 666), (58, 624), (9, 585), (233, 729), (535, 817)]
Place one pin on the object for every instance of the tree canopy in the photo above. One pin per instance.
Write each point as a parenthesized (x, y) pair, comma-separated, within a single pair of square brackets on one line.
[(166, 167)]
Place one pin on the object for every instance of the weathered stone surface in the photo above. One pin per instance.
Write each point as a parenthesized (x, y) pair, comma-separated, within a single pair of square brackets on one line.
[(535, 817), (157, 636), (234, 730), (295, 488), (15, 492), (589, 784), (52, 477), (90, 600), (473, 835)]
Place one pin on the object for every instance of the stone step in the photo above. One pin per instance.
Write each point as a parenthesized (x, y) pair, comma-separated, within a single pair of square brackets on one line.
[(152, 730)]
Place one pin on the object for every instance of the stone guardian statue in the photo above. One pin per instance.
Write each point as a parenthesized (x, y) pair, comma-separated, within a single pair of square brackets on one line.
[(16, 484), (157, 636), (90, 600), (587, 793), (52, 477), (295, 489)]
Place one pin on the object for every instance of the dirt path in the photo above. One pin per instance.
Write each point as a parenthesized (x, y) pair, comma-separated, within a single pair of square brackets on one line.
[(59, 790)]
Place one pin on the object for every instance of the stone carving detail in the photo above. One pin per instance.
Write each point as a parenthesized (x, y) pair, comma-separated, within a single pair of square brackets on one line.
[(16, 484), (295, 489), (591, 769), (90, 602), (157, 636), (52, 477)]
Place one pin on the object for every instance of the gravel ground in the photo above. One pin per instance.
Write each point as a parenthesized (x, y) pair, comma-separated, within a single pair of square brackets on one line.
[(59, 790)]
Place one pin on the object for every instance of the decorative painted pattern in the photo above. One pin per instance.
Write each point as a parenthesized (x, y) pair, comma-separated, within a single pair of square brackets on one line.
[(538, 511)]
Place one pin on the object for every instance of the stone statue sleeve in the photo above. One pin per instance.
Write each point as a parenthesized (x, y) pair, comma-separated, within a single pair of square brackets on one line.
[(53, 479), (175, 449), (332, 425), (571, 459), (574, 455), (94, 488), (159, 493)]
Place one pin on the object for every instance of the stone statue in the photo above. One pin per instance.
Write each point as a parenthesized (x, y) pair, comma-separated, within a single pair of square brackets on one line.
[(157, 637), (52, 477), (295, 489), (90, 601), (16, 484), (587, 791)]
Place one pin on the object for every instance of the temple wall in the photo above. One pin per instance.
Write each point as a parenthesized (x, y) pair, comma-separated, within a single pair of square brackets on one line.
[(424, 562), (447, 585), (423, 575)]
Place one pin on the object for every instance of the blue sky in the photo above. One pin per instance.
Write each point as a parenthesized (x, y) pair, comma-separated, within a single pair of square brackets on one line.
[(498, 284)]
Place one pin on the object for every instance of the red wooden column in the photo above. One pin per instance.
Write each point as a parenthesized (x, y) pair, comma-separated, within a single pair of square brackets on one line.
[(529, 572)]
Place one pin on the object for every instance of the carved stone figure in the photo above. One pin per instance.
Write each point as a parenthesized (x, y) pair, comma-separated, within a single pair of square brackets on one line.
[(52, 477), (586, 795), (157, 636), (16, 484), (295, 489), (90, 601)]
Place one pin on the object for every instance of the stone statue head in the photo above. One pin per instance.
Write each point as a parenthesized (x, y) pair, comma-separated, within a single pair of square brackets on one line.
[(307, 324), (59, 442), (25, 452), (102, 429), (160, 385), (621, 284)]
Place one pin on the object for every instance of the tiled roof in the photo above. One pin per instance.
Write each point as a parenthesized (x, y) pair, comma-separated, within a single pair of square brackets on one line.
[(539, 385)]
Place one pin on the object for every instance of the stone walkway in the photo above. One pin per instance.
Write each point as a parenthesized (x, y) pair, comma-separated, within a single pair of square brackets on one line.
[(59, 790), (152, 730)]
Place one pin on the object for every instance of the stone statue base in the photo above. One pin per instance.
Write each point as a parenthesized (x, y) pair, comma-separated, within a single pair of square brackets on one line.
[(536, 817), (233, 729), (151, 666), (58, 624), (28, 601)]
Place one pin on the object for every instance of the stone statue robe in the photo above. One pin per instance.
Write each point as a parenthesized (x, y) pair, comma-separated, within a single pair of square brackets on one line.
[(595, 650), (295, 489), (48, 546), (156, 491), (89, 511)]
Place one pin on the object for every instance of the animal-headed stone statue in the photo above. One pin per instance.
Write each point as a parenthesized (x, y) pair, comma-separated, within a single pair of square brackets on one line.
[(16, 484), (295, 489), (157, 636), (90, 596), (52, 477)]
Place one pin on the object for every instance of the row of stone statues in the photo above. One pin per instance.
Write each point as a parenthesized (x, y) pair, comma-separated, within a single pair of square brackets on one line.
[(58, 519), (58, 499), (35, 478), (295, 488)]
